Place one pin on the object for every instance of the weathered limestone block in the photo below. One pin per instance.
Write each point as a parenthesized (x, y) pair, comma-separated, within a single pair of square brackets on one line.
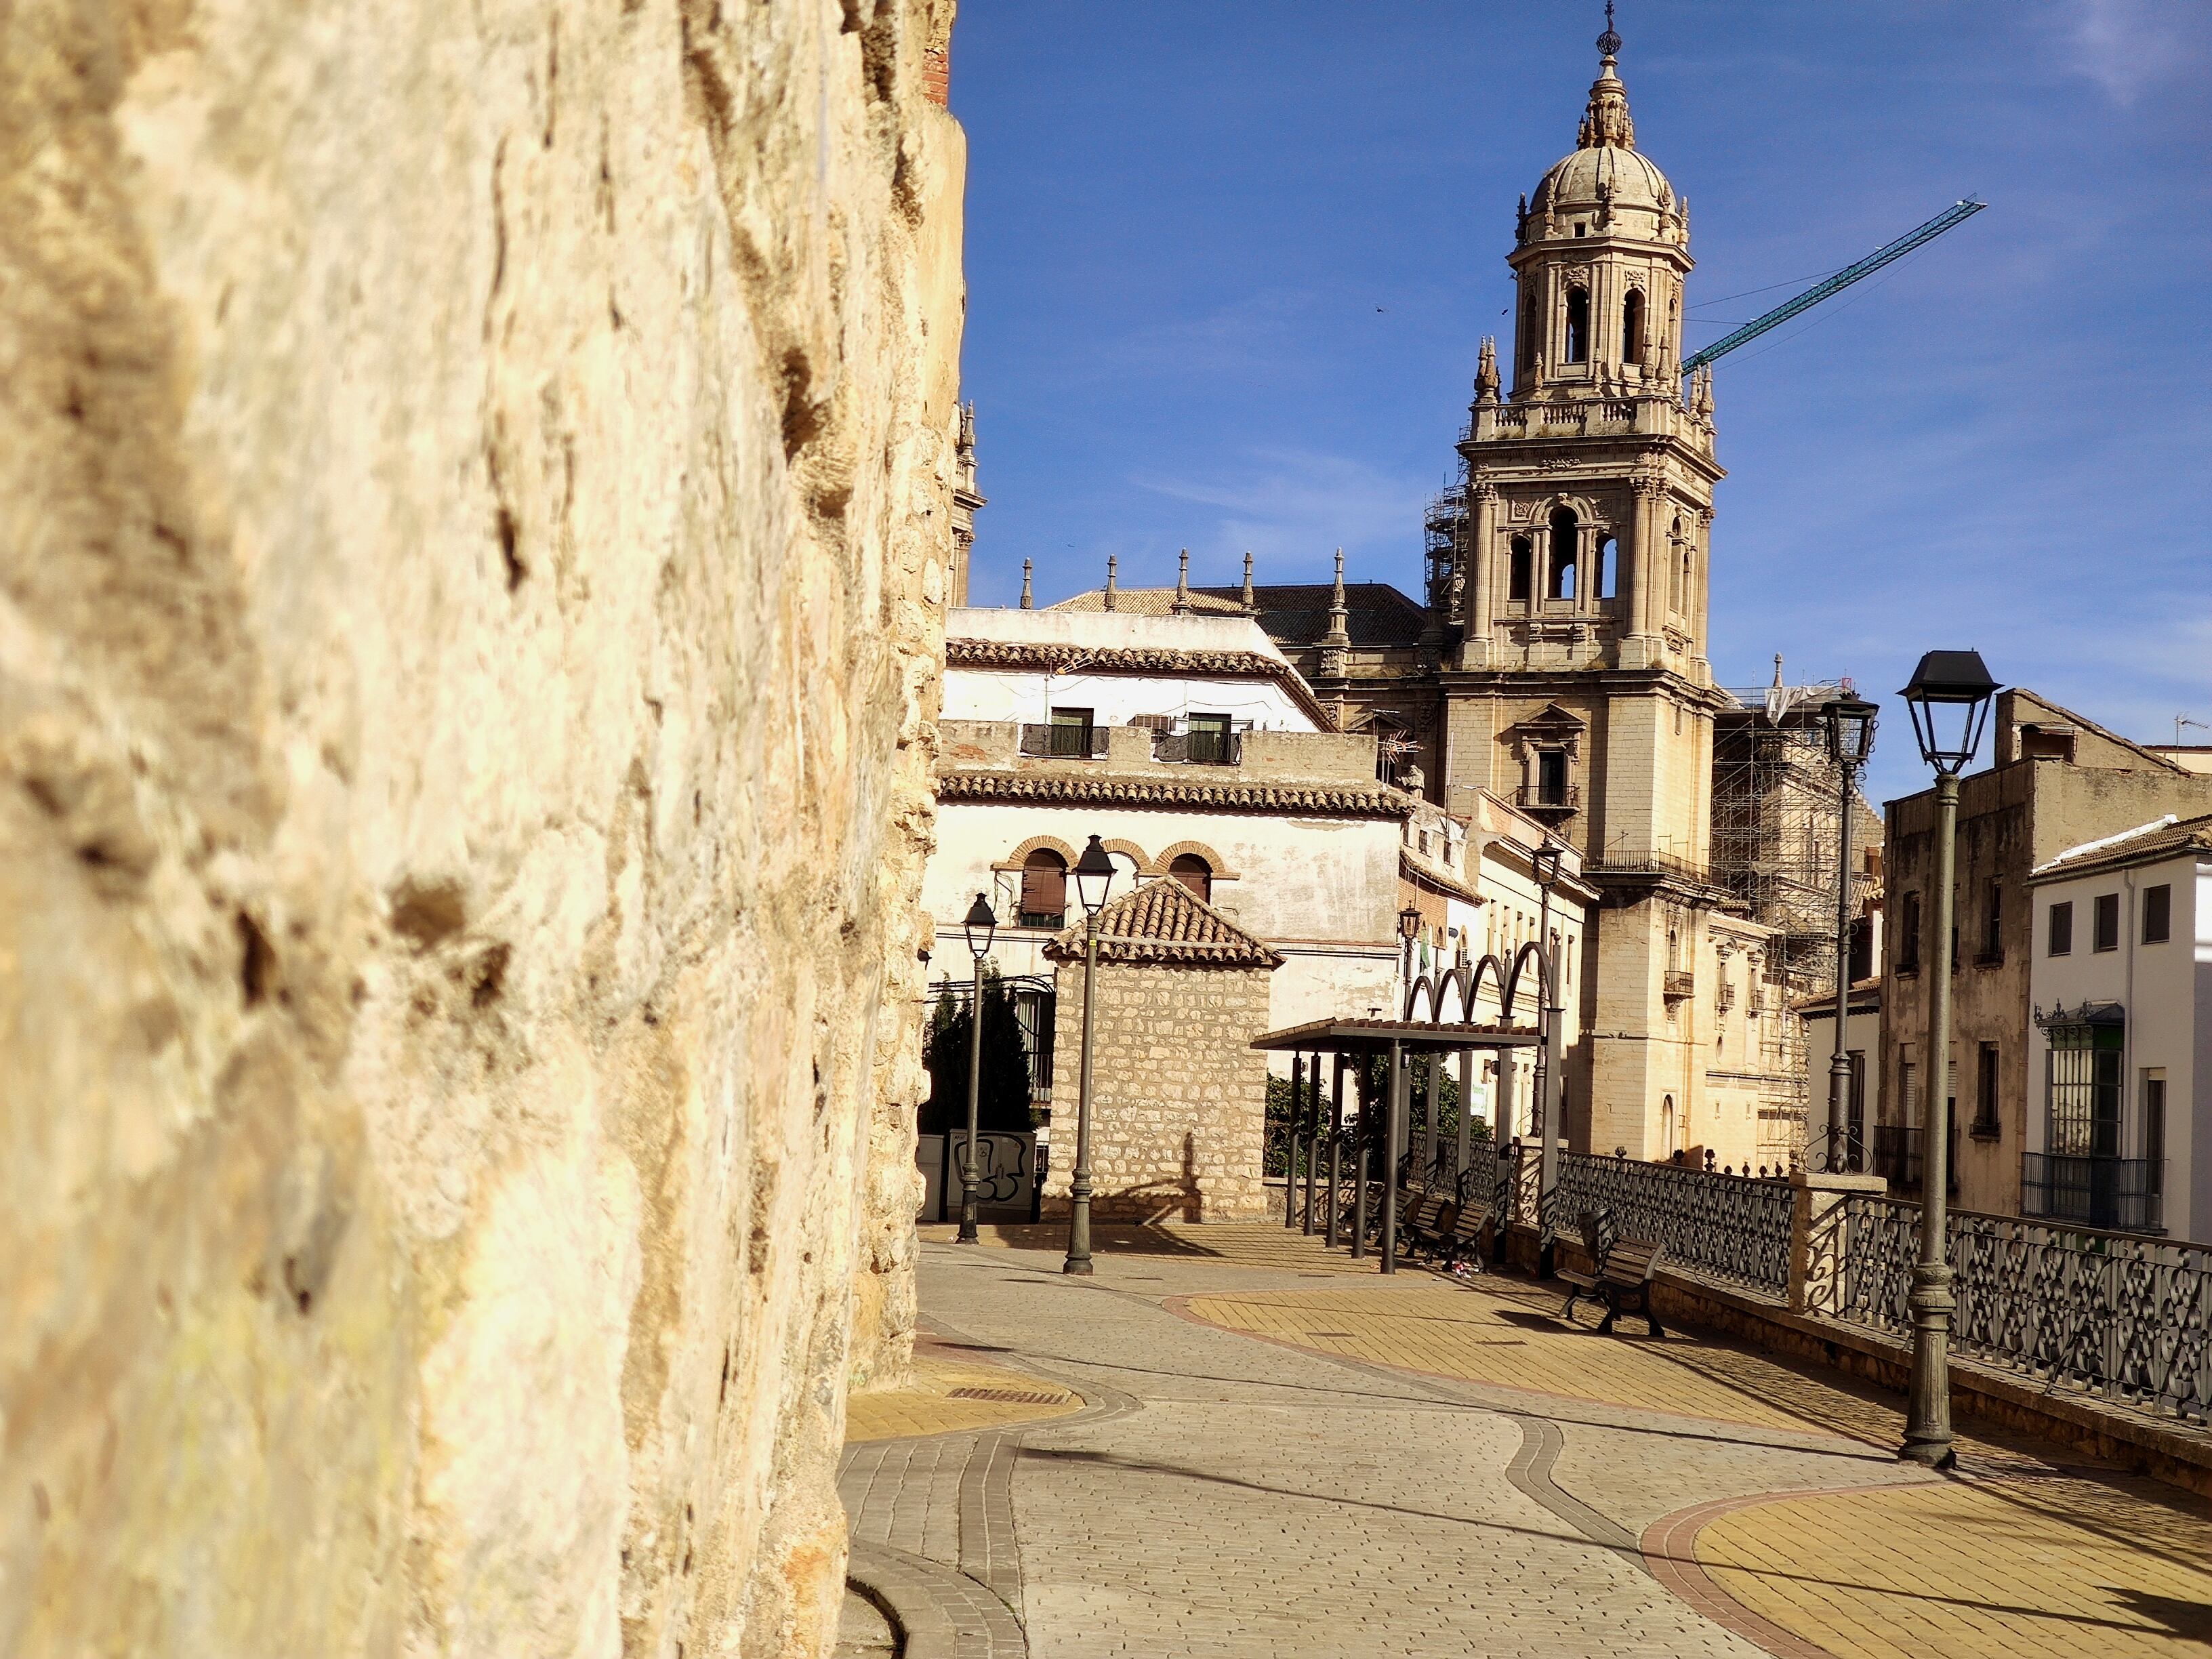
[(474, 511)]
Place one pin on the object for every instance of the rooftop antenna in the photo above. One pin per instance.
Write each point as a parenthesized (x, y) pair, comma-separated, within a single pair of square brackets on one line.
[(2181, 720)]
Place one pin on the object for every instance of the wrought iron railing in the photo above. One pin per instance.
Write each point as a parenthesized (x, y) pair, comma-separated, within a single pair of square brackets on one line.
[(1899, 1150), (1734, 1228), (2114, 1313), (1200, 746), (2120, 1193), (1064, 742)]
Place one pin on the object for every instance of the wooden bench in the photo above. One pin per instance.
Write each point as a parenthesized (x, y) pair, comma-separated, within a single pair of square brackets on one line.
[(1462, 1234), (1622, 1281), (1423, 1222)]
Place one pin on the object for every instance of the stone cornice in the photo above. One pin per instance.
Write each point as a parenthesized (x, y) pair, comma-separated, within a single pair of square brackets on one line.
[(1332, 800), (1055, 657)]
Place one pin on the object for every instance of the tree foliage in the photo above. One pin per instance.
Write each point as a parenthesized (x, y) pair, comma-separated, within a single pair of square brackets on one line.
[(1003, 1103)]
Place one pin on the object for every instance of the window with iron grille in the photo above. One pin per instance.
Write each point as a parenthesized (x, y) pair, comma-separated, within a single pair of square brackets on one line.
[(2082, 1091)]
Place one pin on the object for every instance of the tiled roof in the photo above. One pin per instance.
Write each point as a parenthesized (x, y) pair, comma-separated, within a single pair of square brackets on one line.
[(1165, 921), (1292, 614), (1057, 657), (2153, 841), (1344, 800)]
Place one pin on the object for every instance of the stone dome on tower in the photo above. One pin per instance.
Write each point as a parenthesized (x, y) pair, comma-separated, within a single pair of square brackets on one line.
[(1605, 185)]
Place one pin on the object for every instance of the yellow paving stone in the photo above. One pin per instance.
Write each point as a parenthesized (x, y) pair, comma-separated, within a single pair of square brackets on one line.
[(932, 1405), (1231, 1243), (2114, 1567), (1502, 1332)]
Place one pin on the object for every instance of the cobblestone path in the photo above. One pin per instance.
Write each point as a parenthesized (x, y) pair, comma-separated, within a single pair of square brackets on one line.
[(1276, 1456)]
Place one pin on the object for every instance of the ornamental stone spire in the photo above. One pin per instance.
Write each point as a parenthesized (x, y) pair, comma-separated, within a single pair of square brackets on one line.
[(1605, 121), (1113, 578), (1028, 602), (1181, 606), (1250, 607)]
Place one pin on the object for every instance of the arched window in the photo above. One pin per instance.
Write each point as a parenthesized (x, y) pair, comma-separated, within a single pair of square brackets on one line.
[(1044, 888), (1561, 584), (1526, 341), (1193, 872), (1667, 1127), (1522, 567), (1605, 571), (1578, 324), (1632, 327), (1674, 596)]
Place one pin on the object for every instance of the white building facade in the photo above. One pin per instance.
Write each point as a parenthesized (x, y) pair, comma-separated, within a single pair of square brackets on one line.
[(2119, 1122)]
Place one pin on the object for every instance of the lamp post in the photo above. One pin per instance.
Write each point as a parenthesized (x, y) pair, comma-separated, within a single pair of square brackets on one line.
[(1850, 722), (1409, 928), (1544, 863), (1094, 879), (1949, 699), (979, 925)]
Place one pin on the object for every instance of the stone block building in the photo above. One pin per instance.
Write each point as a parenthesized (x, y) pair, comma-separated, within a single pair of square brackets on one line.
[(1178, 1095)]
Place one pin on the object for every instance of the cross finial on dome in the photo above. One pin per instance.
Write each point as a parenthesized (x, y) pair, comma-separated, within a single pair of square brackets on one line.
[(1605, 121), (1609, 44)]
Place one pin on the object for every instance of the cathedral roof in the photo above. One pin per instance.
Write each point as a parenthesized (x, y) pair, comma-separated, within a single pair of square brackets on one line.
[(1293, 614)]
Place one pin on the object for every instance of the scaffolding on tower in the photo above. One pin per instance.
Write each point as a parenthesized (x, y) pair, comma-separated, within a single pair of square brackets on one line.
[(1774, 845)]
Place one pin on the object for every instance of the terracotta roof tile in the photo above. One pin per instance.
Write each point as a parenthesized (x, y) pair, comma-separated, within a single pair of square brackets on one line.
[(1162, 921), (1337, 800)]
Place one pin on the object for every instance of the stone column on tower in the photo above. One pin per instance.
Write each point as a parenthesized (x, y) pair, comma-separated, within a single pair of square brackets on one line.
[(1482, 573)]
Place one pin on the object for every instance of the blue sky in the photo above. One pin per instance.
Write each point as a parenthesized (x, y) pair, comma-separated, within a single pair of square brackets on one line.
[(1228, 263)]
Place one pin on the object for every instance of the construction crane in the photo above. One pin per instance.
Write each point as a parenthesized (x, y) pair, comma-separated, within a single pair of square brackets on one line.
[(1957, 214)]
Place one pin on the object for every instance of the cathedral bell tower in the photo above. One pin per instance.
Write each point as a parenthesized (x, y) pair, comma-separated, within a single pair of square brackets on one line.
[(1567, 595)]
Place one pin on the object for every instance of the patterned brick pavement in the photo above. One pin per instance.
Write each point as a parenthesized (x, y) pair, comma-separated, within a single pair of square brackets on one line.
[(1281, 1459)]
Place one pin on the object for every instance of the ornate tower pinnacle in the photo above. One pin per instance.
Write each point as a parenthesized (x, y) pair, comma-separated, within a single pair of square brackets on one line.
[(1181, 606), (1028, 602), (1336, 642), (1113, 570), (1605, 121), (1250, 607), (1485, 372)]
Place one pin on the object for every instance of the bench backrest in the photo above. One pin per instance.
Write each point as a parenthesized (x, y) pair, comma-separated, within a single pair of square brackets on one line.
[(1632, 1260)]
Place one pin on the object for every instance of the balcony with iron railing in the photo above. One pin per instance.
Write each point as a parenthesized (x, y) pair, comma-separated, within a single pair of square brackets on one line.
[(1679, 985), (2125, 1194), (1561, 799), (1064, 742), (1200, 746)]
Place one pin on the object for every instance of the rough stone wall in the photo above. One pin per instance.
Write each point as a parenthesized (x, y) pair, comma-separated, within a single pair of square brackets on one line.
[(473, 511), (1178, 1095)]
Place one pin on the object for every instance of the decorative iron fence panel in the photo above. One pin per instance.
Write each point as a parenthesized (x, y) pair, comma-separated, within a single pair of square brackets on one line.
[(2119, 1314), (1734, 1228)]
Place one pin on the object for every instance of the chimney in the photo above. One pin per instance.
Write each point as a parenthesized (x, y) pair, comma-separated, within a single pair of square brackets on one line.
[(1028, 603), (1250, 609), (1182, 606), (1113, 568)]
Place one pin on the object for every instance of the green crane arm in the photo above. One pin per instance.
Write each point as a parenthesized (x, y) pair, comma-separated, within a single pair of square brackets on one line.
[(1957, 214)]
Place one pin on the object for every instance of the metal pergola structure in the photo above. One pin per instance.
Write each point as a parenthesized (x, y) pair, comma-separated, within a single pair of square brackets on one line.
[(1348, 1040)]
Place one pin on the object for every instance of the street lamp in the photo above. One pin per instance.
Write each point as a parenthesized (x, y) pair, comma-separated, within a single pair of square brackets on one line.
[(1848, 720), (1545, 863), (1949, 697), (1094, 879), (979, 925), (1409, 928)]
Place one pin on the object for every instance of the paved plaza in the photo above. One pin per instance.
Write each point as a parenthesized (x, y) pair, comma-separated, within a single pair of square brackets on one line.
[(1231, 1442)]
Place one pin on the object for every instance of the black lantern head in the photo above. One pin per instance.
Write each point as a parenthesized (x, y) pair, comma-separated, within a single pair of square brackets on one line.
[(1949, 696), (1850, 722), (1545, 860), (980, 924), (1094, 877), (1409, 922)]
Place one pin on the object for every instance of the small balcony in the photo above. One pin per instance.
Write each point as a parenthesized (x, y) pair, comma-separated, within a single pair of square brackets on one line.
[(1679, 985), (1061, 742), (1555, 802), (1199, 746), (2125, 1194)]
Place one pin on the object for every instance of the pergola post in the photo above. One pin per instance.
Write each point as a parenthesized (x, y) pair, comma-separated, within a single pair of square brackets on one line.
[(1291, 1133), (1362, 1146), (1335, 1153), (1465, 1110), (1397, 1120), (1313, 1145)]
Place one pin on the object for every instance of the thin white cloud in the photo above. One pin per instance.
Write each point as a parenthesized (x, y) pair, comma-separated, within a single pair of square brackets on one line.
[(1302, 506), (2122, 46)]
